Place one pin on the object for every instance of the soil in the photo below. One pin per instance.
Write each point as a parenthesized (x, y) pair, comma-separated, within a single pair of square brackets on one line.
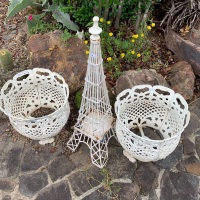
[(13, 36)]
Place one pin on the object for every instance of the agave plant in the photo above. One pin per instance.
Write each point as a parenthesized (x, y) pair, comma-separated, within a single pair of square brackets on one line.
[(18, 5)]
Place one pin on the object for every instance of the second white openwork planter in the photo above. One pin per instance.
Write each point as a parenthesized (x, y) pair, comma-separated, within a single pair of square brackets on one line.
[(95, 121), (29, 91), (150, 121)]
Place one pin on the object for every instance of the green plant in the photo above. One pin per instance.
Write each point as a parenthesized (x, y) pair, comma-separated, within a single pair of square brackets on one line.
[(6, 60), (119, 48), (42, 27), (81, 13), (66, 36), (107, 180), (78, 98), (47, 6)]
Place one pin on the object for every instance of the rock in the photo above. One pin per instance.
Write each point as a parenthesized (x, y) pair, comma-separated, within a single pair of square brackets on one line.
[(184, 49), (30, 184), (33, 161), (171, 160), (10, 157), (3, 125), (188, 147), (197, 144), (124, 168), (145, 76), (6, 197), (58, 191), (193, 126), (49, 51), (192, 165), (82, 181), (126, 191), (7, 185), (147, 176), (100, 194), (60, 167), (182, 79), (179, 186), (81, 157), (195, 107)]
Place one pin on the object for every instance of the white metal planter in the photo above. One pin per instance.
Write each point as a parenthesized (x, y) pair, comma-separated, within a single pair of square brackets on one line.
[(145, 106), (94, 126), (30, 90)]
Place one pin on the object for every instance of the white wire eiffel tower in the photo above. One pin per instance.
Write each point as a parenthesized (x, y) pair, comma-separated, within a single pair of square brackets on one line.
[(95, 122)]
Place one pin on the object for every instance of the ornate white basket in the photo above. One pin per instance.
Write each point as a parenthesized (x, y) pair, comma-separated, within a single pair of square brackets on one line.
[(30, 90), (160, 109)]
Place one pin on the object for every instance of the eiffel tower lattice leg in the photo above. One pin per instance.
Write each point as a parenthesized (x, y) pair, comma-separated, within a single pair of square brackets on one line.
[(74, 140), (99, 152)]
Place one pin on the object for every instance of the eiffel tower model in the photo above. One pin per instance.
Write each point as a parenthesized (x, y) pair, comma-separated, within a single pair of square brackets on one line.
[(94, 125)]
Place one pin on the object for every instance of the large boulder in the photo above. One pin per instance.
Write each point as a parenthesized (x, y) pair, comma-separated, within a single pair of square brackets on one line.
[(182, 79), (70, 61), (145, 76), (187, 50)]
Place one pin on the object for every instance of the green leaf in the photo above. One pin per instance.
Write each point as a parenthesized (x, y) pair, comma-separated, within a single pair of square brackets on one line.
[(32, 23), (62, 17), (16, 6), (44, 2)]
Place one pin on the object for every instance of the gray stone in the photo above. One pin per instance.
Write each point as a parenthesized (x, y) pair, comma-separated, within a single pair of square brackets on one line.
[(188, 147), (49, 51), (118, 165), (100, 194), (3, 125), (182, 79), (83, 181), (7, 185), (10, 156), (195, 107), (170, 161), (192, 165), (60, 167), (197, 144), (6, 197), (184, 49), (179, 186), (193, 125), (82, 156), (145, 76), (29, 185), (125, 191), (33, 161), (153, 195), (146, 175), (58, 191)]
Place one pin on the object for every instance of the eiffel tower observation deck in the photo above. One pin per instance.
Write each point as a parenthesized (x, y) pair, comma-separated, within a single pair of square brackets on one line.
[(95, 121)]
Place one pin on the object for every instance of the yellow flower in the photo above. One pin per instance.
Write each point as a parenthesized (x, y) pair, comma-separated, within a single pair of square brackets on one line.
[(109, 59), (108, 22), (110, 34), (101, 19), (149, 27), (133, 52), (135, 36), (87, 52), (86, 41), (122, 55), (138, 55), (142, 35), (132, 40), (153, 24)]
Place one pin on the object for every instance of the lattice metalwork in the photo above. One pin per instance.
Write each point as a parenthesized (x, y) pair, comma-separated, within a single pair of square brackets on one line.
[(146, 107), (94, 124), (29, 91)]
